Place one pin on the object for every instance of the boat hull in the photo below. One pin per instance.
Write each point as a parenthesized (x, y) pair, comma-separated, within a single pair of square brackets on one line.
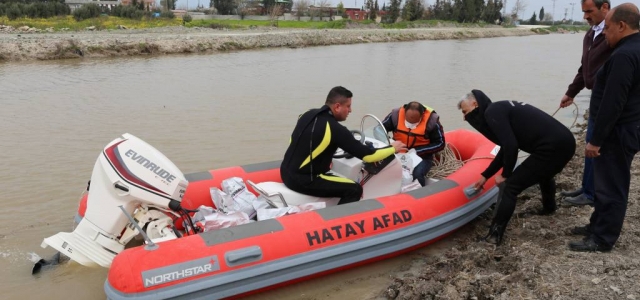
[(244, 259)]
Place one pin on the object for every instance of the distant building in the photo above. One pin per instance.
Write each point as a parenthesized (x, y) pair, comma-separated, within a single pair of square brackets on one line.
[(356, 14), (148, 4), (75, 4)]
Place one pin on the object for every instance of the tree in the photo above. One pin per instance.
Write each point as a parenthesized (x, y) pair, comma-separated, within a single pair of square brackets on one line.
[(491, 13), (376, 9), (274, 14), (413, 10), (242, 7), (519, 7), (340, 9), (267, 4), (394, 11), (442, 10), (224, 7), (541, 15), (372, 9), (534, 19), (469, 11), (171, 4), (301, 6), (323, 5)]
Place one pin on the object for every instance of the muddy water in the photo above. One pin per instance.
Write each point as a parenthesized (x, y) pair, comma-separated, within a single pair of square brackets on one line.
[(219, 110)]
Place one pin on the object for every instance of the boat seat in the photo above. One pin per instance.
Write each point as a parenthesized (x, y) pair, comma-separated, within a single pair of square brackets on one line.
[(278, 195)]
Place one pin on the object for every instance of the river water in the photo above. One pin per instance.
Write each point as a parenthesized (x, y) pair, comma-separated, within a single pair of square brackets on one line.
[(218, 110)]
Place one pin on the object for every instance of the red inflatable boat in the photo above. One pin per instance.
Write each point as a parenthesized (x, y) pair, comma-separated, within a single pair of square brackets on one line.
[(247, 258)]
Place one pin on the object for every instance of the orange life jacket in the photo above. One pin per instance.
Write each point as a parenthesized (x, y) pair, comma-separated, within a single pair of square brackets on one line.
[(412, 137)]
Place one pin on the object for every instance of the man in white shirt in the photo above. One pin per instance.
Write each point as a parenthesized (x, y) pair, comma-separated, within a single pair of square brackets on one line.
[(595, 52)]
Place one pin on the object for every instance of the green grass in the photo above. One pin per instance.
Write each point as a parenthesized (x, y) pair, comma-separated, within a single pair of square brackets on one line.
[(246, 24), (431, 23), (104, 22), (108, 22)]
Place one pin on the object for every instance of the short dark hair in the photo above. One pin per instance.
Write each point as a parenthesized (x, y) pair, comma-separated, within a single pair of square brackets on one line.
[(415, 105), (338, 94), (627, 13), (598, 3)]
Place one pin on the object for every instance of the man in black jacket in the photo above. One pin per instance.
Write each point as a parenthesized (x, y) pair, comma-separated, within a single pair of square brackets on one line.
[(595, 51), (518, 126), (615, 109), (316, 137)]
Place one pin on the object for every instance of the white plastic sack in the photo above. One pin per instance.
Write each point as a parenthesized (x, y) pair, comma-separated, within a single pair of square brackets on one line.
[(407, 177), (242, 198), (270, 213), (221, 200), (260, 203), (202, 212), (219, 220), (409, 160)]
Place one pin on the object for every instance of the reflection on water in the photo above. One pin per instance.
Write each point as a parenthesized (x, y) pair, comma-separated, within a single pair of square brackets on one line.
[(210, 111)]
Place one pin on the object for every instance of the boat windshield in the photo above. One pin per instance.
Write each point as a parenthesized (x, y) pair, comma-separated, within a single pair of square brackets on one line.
[(372, 128)]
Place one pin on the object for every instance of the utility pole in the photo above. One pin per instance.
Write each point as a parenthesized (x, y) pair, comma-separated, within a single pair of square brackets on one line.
[(553, 20), (572, 6)]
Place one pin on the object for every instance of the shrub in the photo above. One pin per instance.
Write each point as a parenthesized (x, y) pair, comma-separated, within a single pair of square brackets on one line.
[(167, 14), (187, 18), (14, 11), (129, 12), (87, 11)]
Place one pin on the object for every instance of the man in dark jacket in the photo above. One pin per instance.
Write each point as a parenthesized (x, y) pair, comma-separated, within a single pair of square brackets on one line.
[(518, 126), (316, 137), (595, 51), (418, 127), (615, 109)]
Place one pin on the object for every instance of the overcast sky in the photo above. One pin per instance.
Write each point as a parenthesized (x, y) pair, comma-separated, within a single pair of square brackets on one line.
[(532, 5)]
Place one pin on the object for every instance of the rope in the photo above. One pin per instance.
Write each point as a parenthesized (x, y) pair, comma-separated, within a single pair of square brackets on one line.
[(449, 159)]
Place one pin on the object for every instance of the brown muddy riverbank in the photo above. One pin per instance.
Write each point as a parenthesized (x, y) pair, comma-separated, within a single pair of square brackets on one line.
[(20, 46), (533, 261)]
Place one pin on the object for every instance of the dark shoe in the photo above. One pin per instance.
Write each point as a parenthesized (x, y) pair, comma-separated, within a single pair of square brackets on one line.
[(581, 230), (495, 235), (535, 212), (579, 200), (588, 245), (571, 193)]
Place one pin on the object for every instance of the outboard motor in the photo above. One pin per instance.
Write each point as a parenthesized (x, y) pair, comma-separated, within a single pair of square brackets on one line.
[(132, 174)]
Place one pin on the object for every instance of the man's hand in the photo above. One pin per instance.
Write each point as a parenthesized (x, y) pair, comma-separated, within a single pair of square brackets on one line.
[(399, 146), (591, 151), (480, 183), (500, 179), (566, 101)]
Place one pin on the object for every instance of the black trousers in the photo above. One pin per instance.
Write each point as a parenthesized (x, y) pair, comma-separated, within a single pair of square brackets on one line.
[(536, 169), (327, 185), (612, 177)]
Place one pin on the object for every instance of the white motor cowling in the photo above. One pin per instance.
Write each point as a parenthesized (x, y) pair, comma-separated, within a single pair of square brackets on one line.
[(128, 173)]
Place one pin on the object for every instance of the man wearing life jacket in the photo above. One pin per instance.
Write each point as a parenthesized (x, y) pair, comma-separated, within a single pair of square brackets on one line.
[(316, 137), (418, 127)]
